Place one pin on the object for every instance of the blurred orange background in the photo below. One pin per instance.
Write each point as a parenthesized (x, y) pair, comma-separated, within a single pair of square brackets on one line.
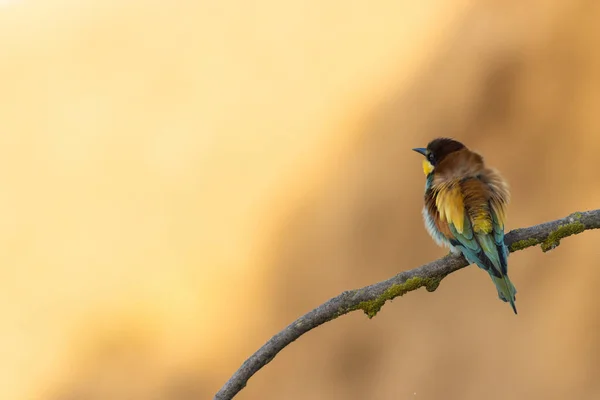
[(180, 180)]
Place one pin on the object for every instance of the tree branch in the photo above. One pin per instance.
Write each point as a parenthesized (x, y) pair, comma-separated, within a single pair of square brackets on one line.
[(371, 298)]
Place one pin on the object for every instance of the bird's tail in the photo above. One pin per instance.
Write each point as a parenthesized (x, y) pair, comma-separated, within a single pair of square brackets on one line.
[(506, 290)]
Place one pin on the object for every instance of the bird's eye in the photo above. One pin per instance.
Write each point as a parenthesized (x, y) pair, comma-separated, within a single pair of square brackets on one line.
[(430, 158)]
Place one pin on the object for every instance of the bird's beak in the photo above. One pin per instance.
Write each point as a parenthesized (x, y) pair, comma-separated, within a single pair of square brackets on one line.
[(421, 150)]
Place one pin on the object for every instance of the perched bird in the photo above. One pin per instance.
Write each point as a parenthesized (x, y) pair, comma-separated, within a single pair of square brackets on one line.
[(465, 209)]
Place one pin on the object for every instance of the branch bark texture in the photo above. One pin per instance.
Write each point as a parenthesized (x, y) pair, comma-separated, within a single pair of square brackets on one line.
[(371, 298)]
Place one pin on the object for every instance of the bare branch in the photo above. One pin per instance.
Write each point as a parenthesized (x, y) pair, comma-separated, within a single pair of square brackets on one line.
[(371, 298)]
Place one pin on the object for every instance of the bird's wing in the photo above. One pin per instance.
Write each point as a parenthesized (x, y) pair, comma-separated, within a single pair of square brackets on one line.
[(471, 215), (499, 199), (444, 204)]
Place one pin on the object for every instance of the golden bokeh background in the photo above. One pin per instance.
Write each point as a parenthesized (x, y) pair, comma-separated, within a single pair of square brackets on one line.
[(180, 180)]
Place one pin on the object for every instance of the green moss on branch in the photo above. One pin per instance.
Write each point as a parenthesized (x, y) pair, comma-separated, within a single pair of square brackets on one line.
[(372, 307), (523, 244), (561, 232)]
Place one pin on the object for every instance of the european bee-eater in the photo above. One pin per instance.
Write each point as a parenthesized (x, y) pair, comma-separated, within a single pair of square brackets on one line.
[(465, 209)]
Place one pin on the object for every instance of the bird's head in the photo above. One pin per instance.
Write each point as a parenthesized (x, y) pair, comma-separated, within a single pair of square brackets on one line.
[(436, 151)]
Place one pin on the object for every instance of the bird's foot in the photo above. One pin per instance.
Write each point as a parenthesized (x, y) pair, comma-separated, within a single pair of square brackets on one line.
[(454, 251)]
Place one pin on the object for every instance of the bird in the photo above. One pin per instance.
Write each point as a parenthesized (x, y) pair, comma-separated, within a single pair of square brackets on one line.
[(465, 209)]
